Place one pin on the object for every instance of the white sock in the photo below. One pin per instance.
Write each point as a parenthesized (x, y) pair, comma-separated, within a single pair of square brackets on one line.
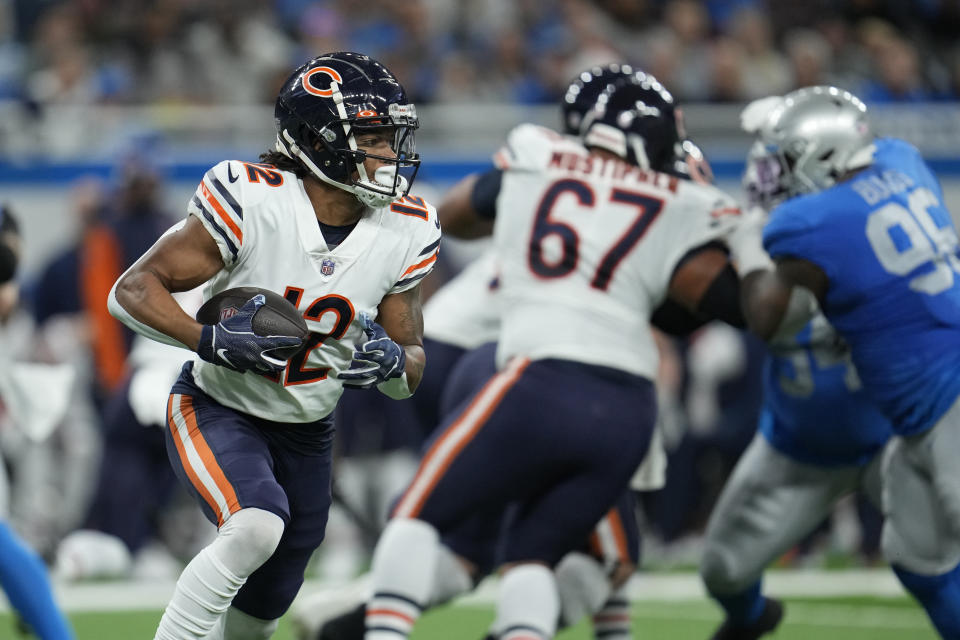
[(451, 578), (612, 621), (311, 611), (583, 585), (238, 625), (528, 604), (401, 577), (211, 580)]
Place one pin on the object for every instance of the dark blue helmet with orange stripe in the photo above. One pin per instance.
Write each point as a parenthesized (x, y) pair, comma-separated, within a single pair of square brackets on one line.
[(583, 92), (321, 106), (636, 118)]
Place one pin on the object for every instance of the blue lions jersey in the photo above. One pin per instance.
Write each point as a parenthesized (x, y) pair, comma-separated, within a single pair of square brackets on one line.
[(814, 409), (888, 246)]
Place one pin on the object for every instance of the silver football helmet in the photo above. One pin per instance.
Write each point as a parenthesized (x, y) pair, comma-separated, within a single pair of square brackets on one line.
[(817, 134)]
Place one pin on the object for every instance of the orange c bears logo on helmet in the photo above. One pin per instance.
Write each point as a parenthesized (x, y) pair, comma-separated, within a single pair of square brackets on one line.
[(323, 93)]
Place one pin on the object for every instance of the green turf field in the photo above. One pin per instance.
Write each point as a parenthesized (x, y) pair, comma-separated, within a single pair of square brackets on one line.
[(822, 619)]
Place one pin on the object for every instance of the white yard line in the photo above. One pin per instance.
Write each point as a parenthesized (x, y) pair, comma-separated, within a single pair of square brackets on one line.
[(116, 596), (792, 583), (838, 615), (795, 583), (811, 614)]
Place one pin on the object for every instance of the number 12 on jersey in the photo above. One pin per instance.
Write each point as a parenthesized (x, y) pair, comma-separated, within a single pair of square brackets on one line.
[(544, 227), (297, 371)]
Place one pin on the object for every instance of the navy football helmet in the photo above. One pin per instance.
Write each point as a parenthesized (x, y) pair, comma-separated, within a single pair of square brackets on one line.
[(324, 102), (636, 118), (583, 92)]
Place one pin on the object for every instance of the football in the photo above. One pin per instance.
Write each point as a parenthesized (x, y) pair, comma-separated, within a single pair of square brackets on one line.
[(278, 317)]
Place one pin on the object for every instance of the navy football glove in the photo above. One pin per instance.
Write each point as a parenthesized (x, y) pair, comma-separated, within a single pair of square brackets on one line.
[(376, 360), (232, 343)]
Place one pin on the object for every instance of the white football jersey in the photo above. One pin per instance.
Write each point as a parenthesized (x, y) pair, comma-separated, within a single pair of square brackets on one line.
[(465, 311), (587, 248), (269, 237)]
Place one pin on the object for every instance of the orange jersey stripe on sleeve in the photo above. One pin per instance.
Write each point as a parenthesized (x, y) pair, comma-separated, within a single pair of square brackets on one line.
[(421, 264), (221, 212)]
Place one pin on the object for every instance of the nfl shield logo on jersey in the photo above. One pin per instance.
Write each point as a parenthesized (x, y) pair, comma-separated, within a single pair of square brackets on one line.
[(327, 267)]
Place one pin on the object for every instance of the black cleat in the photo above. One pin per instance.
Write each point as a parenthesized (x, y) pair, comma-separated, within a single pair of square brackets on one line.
[(346, 626), (769, 619)]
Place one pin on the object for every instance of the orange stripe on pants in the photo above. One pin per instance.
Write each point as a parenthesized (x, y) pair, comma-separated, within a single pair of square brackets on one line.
[(595, 547), (458, 435), (207, 459), (619, 535)]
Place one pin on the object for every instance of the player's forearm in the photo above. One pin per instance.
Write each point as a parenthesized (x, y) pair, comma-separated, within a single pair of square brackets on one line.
[(403, 386), (721, 300), (9, 297), (141, 301), (457, 215), (401, 316), (416, 361), (779, 302), (764, 302)]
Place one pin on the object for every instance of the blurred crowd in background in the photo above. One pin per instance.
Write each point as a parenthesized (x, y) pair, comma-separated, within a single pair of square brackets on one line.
[(446, 51), (104, 468)]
